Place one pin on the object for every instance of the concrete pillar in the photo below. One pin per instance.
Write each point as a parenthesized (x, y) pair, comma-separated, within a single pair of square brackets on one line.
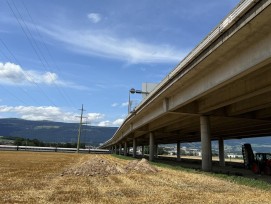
[(156, 150), (178, 151), (206, 143), (125, 149), (134, 147), (151, 147), (115, 152), (142, 148), (119, 149), (221, 152)]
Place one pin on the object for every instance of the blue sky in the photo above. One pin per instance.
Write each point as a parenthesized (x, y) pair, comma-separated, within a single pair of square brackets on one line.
[(57, 55)]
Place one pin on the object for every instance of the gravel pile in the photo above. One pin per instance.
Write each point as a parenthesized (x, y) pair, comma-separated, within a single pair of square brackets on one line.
[(94, 167), (142, 166), (98, 166)]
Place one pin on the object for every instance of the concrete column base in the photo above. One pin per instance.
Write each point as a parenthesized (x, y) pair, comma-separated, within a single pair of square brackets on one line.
[(206, 143)]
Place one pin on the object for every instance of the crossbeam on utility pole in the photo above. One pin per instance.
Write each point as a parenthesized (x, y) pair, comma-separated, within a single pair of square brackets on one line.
[(80, 128)]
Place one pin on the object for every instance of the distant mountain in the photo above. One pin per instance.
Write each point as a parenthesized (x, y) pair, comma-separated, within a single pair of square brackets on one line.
[(54, 132)]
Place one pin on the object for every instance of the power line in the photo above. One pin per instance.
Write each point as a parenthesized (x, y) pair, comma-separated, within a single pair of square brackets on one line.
[(31, 43), (61, 91)]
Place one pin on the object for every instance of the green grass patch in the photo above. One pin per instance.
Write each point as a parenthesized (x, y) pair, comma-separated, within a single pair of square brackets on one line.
[(244, 181), (235, 179)]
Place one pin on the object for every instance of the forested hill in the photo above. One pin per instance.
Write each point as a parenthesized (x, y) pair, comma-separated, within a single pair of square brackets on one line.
[(55, 132)]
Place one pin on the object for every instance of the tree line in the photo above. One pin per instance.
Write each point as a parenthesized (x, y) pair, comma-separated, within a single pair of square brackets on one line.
[(19, 141)]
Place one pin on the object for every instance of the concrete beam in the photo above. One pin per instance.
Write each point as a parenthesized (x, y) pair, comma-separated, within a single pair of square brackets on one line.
[(252, 104), (247, 87)]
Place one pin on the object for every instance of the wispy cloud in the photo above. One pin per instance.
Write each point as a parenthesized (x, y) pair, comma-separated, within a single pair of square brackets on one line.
[(114, 104), (14, 74), (94, 17), (124, 104), (108, 45)]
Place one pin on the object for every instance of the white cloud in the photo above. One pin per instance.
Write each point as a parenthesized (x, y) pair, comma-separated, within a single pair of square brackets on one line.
[(118, 122), (95, 116), (40, 113), (106, 123), (108, 45), (114, 104), (124, 104), (11, 73), (94, 17)]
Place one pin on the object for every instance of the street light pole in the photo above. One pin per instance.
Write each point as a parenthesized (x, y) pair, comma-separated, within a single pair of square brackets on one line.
[(133, 91)]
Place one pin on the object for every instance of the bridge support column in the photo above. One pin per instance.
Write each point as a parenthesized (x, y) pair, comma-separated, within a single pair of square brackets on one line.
[(115, 152), (119, 149), (221, 152), (125, 149), (178, 151), (151, 147), (134, 147), (206, 143), (156, 150), (142, 150)]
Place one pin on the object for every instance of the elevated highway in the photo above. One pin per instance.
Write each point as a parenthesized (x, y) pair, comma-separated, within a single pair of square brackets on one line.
[(220, 91)]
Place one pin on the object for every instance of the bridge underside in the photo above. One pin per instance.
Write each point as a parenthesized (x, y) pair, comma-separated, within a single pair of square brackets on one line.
[(237, 109), (223, 93)]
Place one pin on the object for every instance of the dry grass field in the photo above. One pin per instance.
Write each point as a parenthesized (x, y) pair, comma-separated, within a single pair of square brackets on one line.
[(31, 177)]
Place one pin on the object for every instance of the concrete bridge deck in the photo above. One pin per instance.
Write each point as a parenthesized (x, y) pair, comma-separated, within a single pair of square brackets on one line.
[(220, 91)]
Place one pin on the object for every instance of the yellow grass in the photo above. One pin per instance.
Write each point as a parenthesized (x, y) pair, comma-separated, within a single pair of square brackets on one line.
[(36, 178)]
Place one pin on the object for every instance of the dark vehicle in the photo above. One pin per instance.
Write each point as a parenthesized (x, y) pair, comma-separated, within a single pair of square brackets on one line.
[(258, 163)]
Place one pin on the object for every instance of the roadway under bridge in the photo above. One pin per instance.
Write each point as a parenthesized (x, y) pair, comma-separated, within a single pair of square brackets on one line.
[(220, 91)]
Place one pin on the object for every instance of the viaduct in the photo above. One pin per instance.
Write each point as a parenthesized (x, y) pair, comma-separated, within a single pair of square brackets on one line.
[(220, 91)]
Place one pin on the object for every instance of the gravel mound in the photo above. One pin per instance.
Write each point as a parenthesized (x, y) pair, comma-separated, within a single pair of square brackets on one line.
[(97, 166), (142, 166), (94, 167)]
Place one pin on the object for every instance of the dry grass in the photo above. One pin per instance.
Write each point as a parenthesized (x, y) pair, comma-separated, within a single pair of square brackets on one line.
[(36, 178)]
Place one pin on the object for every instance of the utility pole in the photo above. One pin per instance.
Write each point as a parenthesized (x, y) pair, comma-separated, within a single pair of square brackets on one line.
[(79, 130)]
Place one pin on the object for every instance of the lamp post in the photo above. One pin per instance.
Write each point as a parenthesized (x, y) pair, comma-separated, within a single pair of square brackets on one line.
[(133, 91)]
